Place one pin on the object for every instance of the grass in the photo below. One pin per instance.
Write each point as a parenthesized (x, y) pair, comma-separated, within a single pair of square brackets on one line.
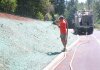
[(97, 26)]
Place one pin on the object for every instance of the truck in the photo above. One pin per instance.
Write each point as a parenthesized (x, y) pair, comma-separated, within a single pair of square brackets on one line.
[(83, 22)]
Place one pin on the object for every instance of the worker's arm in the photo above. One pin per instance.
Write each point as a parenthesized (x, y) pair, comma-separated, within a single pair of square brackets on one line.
[(57, 23), (66, 25)]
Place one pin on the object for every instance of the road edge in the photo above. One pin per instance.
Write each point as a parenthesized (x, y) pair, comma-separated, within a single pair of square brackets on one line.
[(54, 63)]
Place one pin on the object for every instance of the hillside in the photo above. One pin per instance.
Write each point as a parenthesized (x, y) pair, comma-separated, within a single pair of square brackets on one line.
[(24, 45)]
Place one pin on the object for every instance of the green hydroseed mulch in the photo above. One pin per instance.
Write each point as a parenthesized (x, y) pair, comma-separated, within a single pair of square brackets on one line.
[(27, 45)]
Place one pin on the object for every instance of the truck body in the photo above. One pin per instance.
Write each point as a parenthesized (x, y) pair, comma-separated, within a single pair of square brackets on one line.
[(83, 22)]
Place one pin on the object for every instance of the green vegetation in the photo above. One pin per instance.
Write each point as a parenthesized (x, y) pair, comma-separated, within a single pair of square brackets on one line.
[(8, 6), (33, 8), (96, 9), (40, 16), (97, 26), (70, 11), (40, 9), (47, 9)]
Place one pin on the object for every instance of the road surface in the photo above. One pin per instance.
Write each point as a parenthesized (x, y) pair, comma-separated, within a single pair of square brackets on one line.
[(84, 56)]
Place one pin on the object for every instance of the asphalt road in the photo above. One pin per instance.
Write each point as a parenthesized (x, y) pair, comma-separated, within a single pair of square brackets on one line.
[(84, 56)]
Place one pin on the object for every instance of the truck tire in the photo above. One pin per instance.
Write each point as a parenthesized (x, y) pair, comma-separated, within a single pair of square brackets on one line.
[(90, 30)]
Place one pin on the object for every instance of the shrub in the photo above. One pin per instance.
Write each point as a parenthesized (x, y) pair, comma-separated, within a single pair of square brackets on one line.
[(48, 17), (8, 6), (98, 22), (40, 16)]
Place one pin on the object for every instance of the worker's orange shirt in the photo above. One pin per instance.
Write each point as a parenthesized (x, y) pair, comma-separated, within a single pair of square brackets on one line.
[(63, 26)]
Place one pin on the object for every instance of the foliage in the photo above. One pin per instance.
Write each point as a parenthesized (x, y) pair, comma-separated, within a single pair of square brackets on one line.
[(25, 8), (45, 6), (97, 10), (70, 11), (8, 6), (32, 7), (60, 7), (97, 25), (48, 17), (90, 4), (98, 22), (40, 16), (39, 8), (81, 6)]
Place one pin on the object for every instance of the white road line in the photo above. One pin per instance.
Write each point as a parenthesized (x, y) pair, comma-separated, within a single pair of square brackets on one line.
[(96, 39), (52, 66), (71, 68)]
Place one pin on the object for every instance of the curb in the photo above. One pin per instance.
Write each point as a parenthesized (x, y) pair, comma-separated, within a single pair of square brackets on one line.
[(59, 58)]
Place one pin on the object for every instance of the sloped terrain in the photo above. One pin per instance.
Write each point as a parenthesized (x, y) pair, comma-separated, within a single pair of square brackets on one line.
[(25, 45)]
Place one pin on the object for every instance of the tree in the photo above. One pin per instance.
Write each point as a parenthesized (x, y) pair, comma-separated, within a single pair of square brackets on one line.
[(96, 10), (32, 8), (59, 7), (70, 11), (8, 6), (90, 4), (25, 8)]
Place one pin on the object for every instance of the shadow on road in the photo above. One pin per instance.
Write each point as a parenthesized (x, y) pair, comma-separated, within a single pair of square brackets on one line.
[(53, 53)]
